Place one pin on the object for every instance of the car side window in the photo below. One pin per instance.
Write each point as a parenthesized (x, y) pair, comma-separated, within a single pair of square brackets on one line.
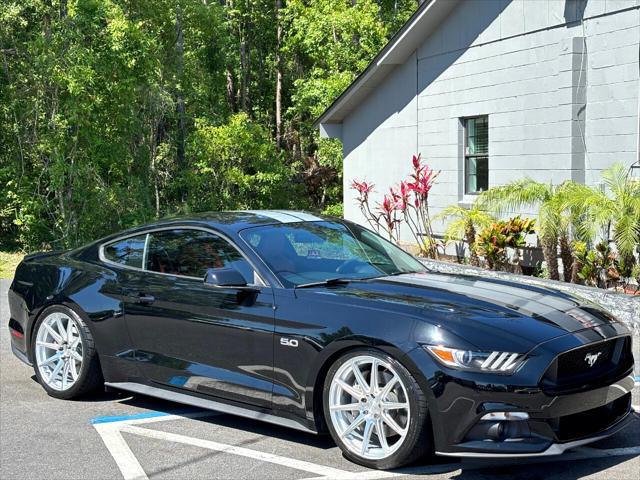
[(128, 252), (192, 252)]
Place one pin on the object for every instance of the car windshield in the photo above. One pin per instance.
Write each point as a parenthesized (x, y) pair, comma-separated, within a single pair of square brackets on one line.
[(305, 252)]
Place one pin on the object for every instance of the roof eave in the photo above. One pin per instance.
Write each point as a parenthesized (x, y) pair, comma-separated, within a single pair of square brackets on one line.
[(421, 24)]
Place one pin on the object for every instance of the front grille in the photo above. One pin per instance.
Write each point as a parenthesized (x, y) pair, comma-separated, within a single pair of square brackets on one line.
[(588, 367), (591, 422)]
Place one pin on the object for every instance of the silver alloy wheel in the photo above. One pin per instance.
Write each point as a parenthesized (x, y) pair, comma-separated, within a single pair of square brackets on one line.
[(369, 407), (59, 351)]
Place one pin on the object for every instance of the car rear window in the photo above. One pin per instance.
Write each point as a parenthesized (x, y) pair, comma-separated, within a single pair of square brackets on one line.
[(127, 252)]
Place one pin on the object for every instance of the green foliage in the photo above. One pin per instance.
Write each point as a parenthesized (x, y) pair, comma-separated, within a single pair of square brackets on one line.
[(616, 207), (335, 210), (462, 220), (114, 112), (598, 267), (236, 168)]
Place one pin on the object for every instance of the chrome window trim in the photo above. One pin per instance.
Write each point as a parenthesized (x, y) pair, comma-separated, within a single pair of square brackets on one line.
[(104, 259), (145, 250)]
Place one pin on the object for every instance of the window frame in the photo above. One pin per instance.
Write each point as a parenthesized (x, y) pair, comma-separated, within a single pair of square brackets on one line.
[(147, 234), (466, 156)]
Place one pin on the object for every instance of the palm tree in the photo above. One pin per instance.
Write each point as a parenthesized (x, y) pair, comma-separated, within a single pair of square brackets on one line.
[(554, 221), (467, 221), (618, 209)]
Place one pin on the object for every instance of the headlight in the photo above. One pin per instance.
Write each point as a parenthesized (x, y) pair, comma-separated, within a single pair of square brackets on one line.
[(499, 362)]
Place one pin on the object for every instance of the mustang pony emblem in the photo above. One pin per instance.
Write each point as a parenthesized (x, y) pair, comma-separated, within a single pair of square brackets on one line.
[(592, 358)]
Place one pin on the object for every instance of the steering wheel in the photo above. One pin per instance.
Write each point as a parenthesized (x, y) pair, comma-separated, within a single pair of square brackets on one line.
[(351, 266)]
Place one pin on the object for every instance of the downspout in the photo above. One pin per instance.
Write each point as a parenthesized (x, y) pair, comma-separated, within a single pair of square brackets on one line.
[(638, 130)]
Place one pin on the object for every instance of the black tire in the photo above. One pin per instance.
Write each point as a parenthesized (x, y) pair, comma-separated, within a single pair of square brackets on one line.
[(90, 376), (418, 442)]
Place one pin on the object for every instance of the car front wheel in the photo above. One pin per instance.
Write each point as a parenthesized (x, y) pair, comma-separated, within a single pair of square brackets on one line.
[(376, 411)]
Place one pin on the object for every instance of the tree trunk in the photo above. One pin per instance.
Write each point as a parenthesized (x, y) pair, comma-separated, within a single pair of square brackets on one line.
[(550, 252), (575, 269), (567, 258), (470, 234), (278, 6), (231, 91), (180, 106), (243, 71)]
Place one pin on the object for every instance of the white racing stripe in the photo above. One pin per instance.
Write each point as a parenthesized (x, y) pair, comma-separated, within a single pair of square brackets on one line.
[(281, 217), (240, 451), (305, 217), (285, 216)]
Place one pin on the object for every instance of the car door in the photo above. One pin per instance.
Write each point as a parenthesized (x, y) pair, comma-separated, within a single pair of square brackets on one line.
[(189, 335)]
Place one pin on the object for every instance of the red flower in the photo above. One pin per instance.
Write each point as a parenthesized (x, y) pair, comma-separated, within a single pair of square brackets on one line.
[(363, 187), (423, 179), (416, 162)]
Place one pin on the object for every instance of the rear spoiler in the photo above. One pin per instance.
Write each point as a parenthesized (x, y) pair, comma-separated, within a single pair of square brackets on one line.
[(37, 255)]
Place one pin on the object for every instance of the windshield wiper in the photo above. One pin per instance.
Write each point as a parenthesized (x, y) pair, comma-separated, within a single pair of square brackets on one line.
[(394, 274), (330, 282)]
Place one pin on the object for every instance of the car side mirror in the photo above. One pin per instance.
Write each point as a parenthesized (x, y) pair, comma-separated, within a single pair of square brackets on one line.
[(226, 278)]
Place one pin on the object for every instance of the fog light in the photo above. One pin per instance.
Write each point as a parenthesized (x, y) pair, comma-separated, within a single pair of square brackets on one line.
[(504, 416), (496, 431)]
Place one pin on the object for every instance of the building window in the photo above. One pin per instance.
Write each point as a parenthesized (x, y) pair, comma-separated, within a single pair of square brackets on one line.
[(476, 154)]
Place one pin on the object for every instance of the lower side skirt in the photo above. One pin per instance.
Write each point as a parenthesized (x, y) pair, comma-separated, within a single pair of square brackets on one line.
[(209, 404)]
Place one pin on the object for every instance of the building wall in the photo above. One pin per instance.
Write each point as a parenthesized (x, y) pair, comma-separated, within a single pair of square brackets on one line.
[(550, 83)]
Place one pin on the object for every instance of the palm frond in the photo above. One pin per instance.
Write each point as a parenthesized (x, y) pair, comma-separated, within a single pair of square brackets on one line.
[(515, 195)]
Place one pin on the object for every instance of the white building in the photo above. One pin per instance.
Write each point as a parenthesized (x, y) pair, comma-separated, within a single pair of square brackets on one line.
[(492, 90)]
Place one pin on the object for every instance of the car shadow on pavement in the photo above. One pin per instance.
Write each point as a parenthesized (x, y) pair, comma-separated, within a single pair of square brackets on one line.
[(262, 429)]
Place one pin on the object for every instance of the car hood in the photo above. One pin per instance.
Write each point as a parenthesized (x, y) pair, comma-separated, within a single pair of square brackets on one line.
[(484, 313)]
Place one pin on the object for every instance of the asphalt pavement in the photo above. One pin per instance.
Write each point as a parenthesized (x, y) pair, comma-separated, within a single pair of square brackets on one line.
[(118, 435)]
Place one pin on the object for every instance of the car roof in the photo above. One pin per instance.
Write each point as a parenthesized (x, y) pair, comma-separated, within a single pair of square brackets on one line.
[(230, 222)]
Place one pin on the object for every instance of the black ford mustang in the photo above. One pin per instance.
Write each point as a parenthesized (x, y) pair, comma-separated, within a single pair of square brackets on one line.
[(322, 325)]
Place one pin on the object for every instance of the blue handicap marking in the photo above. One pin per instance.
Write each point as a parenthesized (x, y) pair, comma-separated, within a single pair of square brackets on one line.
[(142, 415)]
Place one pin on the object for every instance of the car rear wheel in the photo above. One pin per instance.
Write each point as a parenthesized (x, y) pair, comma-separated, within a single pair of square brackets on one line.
[(376, 411), (64, 356)]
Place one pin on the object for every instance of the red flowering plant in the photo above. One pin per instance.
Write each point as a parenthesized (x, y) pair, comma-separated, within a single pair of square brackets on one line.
[(364, 189), (421, 182), (408, 202), (388, 216)]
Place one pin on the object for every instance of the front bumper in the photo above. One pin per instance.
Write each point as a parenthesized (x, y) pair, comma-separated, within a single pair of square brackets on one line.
[(553, 423)]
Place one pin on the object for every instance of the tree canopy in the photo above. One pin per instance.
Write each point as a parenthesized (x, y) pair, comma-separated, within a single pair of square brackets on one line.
[(115, 112)]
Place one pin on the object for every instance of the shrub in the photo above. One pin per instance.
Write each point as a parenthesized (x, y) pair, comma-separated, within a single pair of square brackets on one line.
[(493, 241)]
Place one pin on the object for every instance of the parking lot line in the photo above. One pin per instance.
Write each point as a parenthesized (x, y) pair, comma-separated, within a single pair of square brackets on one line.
[(126, 461), (234, 450), (110, 429)]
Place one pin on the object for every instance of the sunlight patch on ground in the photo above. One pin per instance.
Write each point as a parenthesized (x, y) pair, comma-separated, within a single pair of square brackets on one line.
[(8, 263)]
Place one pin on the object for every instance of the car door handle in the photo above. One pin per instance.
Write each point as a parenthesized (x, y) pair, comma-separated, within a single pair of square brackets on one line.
[(145, 299)]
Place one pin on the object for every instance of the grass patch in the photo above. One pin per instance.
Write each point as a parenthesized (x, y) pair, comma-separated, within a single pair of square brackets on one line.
[(8, 263)]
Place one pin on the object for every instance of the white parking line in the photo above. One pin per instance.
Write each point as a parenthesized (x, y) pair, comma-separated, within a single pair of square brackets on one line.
[(130, 468), (240, 451), (127, 462)]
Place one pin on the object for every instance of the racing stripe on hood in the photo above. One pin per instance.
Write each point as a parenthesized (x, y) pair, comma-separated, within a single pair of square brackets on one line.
[(510, 296)]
